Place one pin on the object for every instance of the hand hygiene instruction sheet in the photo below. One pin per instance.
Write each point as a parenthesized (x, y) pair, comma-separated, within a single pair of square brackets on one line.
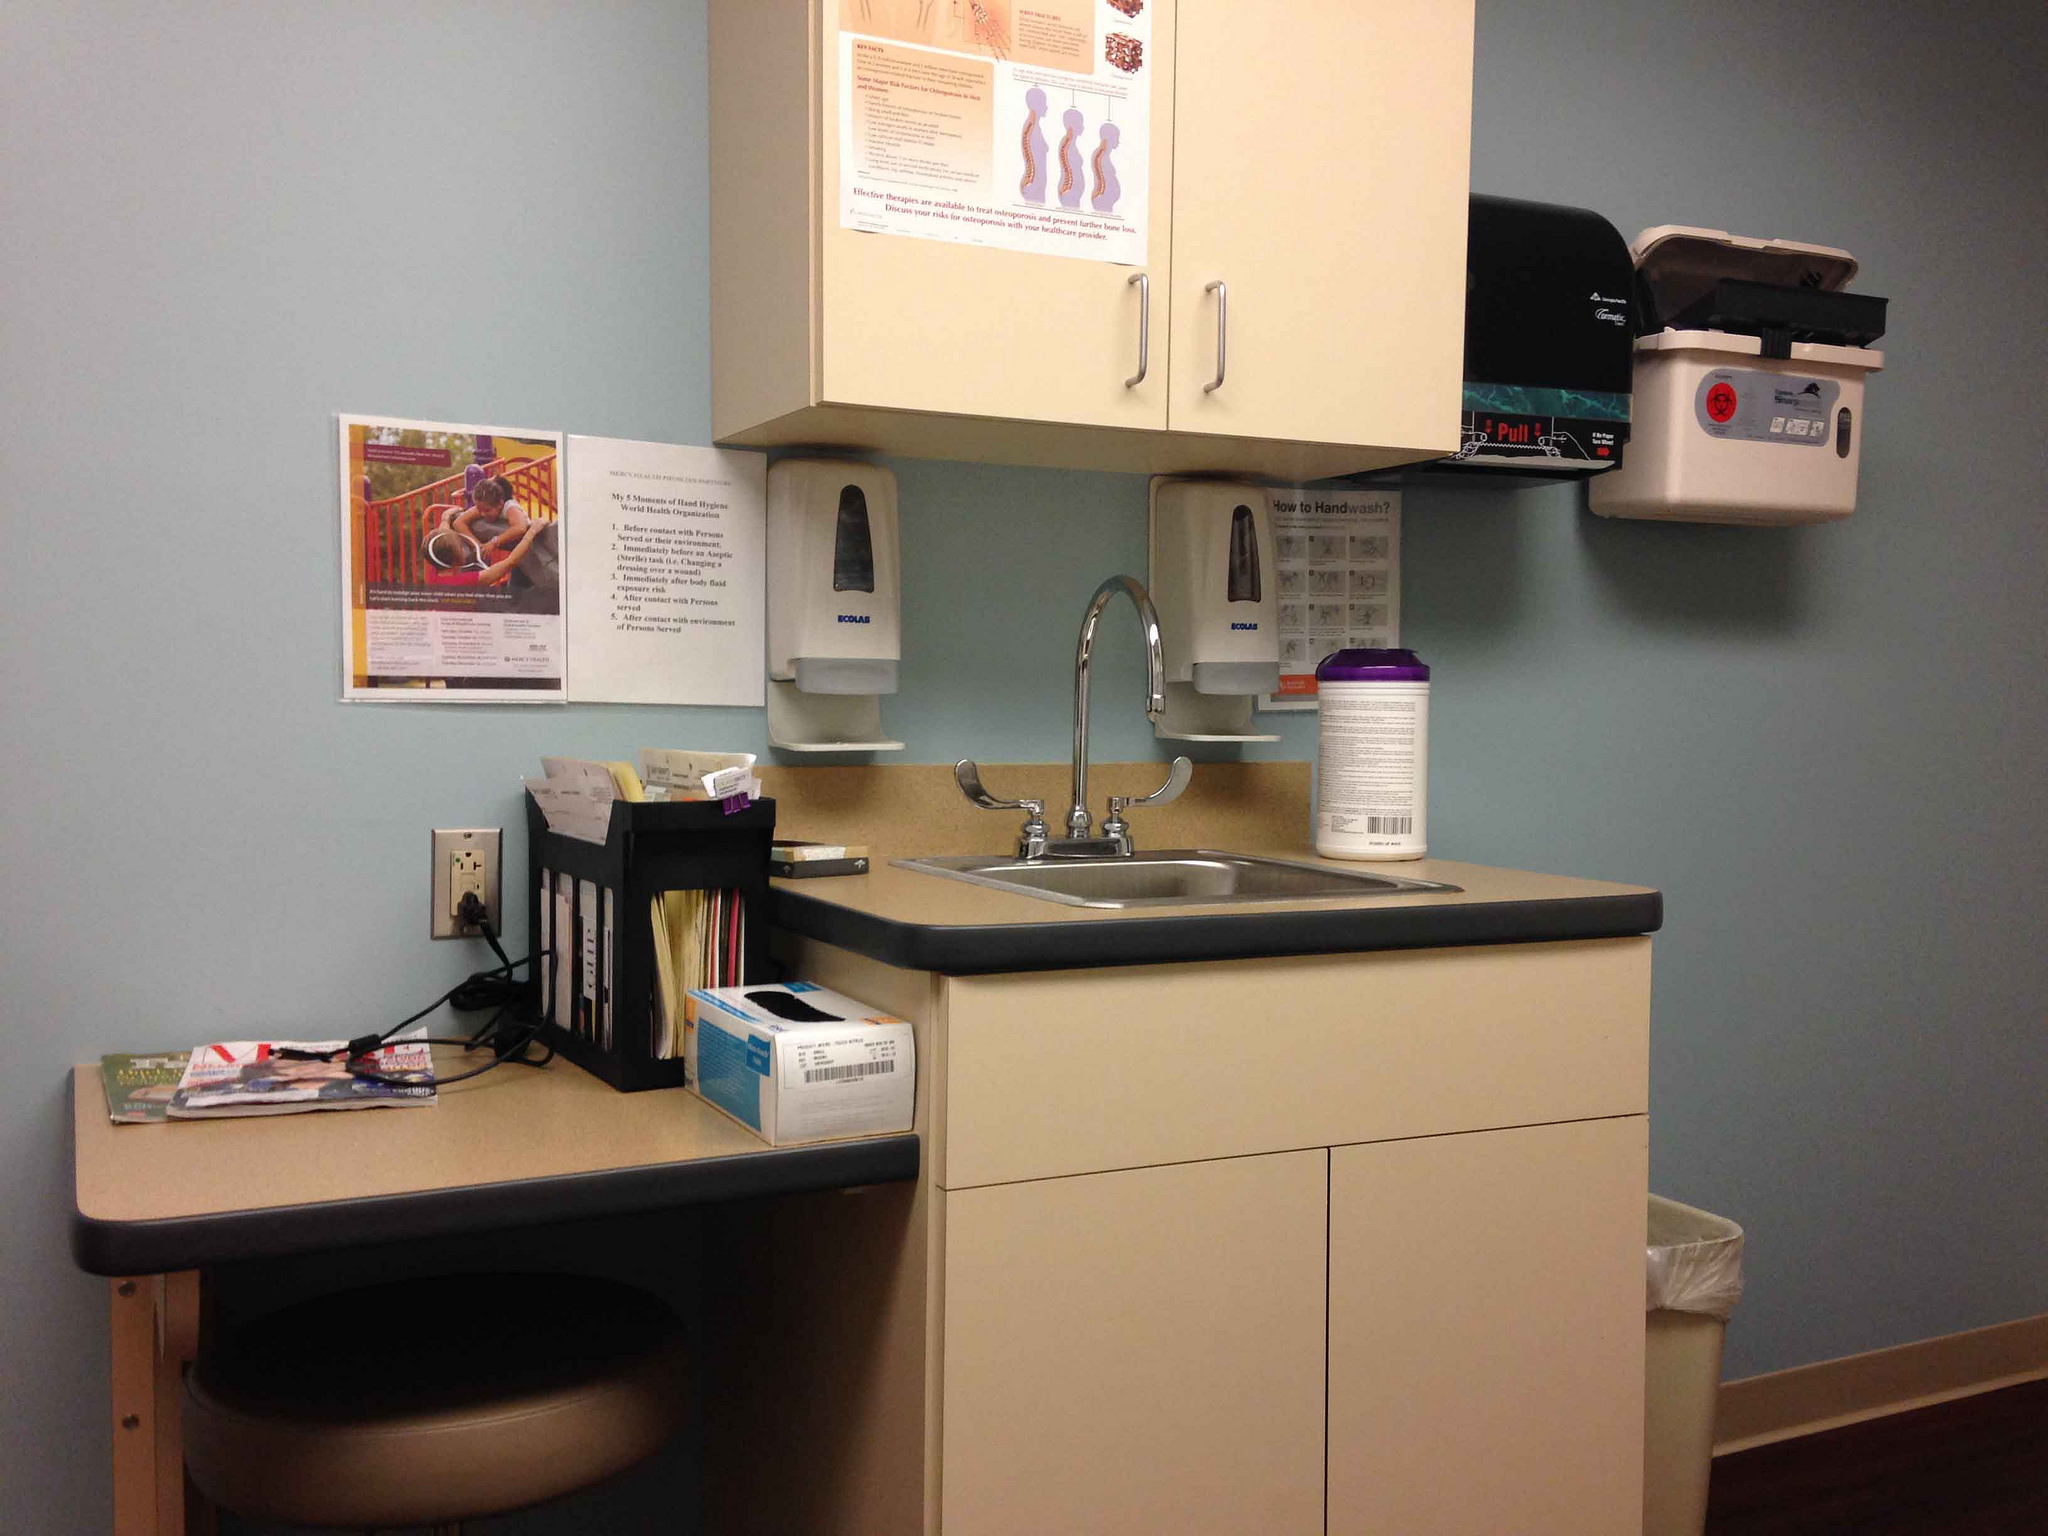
[(1339, 554), (1021, 124), (667, 573)]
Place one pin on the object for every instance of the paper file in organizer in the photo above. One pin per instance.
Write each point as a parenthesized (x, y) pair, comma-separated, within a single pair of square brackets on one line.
[(793, 1062)]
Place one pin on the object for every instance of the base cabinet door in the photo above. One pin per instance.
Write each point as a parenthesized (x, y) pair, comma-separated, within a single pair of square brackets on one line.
[(1486, 1332), (1139, 1351)]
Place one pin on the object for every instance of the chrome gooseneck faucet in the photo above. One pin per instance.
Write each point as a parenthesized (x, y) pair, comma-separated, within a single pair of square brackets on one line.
[(1036, 841), (1080, 824)]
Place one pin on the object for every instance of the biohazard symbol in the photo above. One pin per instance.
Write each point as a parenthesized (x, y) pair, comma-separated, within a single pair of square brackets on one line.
[(1721, 401)]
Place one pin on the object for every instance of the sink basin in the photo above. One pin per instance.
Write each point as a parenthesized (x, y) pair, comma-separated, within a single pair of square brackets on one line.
[(1164, 878)]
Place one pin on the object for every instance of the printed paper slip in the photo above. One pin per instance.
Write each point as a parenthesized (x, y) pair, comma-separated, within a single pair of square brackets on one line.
[(811, 1061), (1024, 126), (575, 807), (672, 774)]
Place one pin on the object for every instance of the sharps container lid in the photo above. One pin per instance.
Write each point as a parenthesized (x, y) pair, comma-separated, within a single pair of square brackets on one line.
[(1372, 666)]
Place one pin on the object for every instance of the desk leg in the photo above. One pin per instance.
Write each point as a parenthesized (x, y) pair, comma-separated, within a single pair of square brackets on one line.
[(155, 1326), (133, 1321), (180, 1510)]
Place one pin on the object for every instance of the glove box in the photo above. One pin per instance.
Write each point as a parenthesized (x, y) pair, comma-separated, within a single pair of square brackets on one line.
[(1748, 386)]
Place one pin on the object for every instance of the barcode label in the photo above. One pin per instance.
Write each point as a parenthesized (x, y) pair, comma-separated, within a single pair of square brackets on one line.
[(851, 1069), (1389, 825)]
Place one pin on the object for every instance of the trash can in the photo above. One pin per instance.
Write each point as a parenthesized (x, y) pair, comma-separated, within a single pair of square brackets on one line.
[(1695, 1279)]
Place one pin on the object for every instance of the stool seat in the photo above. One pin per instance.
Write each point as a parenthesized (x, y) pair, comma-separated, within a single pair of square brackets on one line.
[(427, 1402)]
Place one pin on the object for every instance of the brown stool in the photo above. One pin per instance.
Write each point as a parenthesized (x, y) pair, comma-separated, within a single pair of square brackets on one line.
[(334, 1413)]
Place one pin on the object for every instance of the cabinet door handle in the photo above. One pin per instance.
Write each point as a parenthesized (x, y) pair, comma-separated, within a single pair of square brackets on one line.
[(1222, 291), (1144, 328)]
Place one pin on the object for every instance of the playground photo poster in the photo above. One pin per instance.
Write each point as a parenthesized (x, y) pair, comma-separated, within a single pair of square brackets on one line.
[(451, 562), (1019, 124)]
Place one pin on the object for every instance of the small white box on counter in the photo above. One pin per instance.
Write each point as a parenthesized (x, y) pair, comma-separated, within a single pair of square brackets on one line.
[(793, 1062)]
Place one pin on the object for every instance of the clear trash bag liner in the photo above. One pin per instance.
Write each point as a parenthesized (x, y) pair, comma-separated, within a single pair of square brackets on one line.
[(1694, 1261)]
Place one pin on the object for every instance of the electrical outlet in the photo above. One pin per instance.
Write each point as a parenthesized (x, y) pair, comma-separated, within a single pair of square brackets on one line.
[(465, 862), (466, 878)]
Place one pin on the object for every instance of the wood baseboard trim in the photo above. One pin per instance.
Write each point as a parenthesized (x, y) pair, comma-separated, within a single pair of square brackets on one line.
[(1807, 1399)]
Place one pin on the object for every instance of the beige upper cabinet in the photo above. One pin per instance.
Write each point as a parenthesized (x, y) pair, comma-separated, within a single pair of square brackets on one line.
[(1312, 157), (1321, 167)]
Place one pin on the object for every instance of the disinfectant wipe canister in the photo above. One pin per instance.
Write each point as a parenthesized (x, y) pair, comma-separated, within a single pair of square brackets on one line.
[(1372, 759)]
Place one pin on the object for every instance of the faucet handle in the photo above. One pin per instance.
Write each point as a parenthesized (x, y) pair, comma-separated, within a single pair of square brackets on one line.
[(1031, 841), (1177, 778), (967, 774)]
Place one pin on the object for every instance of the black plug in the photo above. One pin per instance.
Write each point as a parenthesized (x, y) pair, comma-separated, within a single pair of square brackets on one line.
[(472, 912)]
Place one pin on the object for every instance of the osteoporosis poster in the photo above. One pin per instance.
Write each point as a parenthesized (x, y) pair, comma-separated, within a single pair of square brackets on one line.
[(451, 562), (1339, 559), (1021, 124)]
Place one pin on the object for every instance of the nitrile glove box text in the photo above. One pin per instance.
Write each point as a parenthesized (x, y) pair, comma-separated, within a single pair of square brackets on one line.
[(852, 1072)]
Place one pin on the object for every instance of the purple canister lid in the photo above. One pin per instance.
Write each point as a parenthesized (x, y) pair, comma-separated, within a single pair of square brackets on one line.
[(1372, 666)]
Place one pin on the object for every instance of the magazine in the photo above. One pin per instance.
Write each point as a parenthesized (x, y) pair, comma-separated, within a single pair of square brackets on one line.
[(139, 1087), (256, 1077)]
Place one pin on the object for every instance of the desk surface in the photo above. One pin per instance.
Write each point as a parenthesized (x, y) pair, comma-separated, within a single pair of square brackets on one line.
[(516, 1147)]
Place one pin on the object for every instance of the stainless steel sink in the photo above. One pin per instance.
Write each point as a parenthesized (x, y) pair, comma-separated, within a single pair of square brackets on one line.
[(1164, 878)]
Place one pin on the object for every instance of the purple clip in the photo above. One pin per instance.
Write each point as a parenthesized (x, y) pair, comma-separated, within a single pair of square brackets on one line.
[(733, 804)]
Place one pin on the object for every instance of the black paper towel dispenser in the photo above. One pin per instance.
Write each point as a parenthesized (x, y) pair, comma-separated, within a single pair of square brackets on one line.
[(1549, 333)]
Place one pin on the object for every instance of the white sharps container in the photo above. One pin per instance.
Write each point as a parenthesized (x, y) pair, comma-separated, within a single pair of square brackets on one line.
[(1748, 382), (1372, 757)]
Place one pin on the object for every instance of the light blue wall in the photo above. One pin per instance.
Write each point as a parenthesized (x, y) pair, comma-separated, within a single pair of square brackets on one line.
[(1827, 745), (219, 224)]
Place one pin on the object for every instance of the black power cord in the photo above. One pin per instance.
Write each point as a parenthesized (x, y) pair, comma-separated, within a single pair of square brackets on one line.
[(493, 989)]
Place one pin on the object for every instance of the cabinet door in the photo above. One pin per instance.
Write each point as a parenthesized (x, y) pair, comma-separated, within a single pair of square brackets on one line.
[(1486, 1332), (929, 325), (1137, 1351), (1321, 170)]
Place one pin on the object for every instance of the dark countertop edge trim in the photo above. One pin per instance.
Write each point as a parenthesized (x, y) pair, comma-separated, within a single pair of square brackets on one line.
[(983, 950), (162, 1245)]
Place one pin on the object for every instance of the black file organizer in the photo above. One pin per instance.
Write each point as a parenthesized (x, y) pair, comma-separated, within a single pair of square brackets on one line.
[(650, 847)]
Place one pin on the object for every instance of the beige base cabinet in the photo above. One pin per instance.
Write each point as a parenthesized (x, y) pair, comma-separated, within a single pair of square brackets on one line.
[(1311, 158), (1138, 1351), (1175, 1263), (1486, 1332)]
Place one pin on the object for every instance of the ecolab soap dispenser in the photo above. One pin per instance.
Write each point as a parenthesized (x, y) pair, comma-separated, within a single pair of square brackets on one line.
[(834, 622), (1214, 584)]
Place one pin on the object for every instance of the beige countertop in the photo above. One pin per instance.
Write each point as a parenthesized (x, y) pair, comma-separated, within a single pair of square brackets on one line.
[(923, 921), (912, 896)]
